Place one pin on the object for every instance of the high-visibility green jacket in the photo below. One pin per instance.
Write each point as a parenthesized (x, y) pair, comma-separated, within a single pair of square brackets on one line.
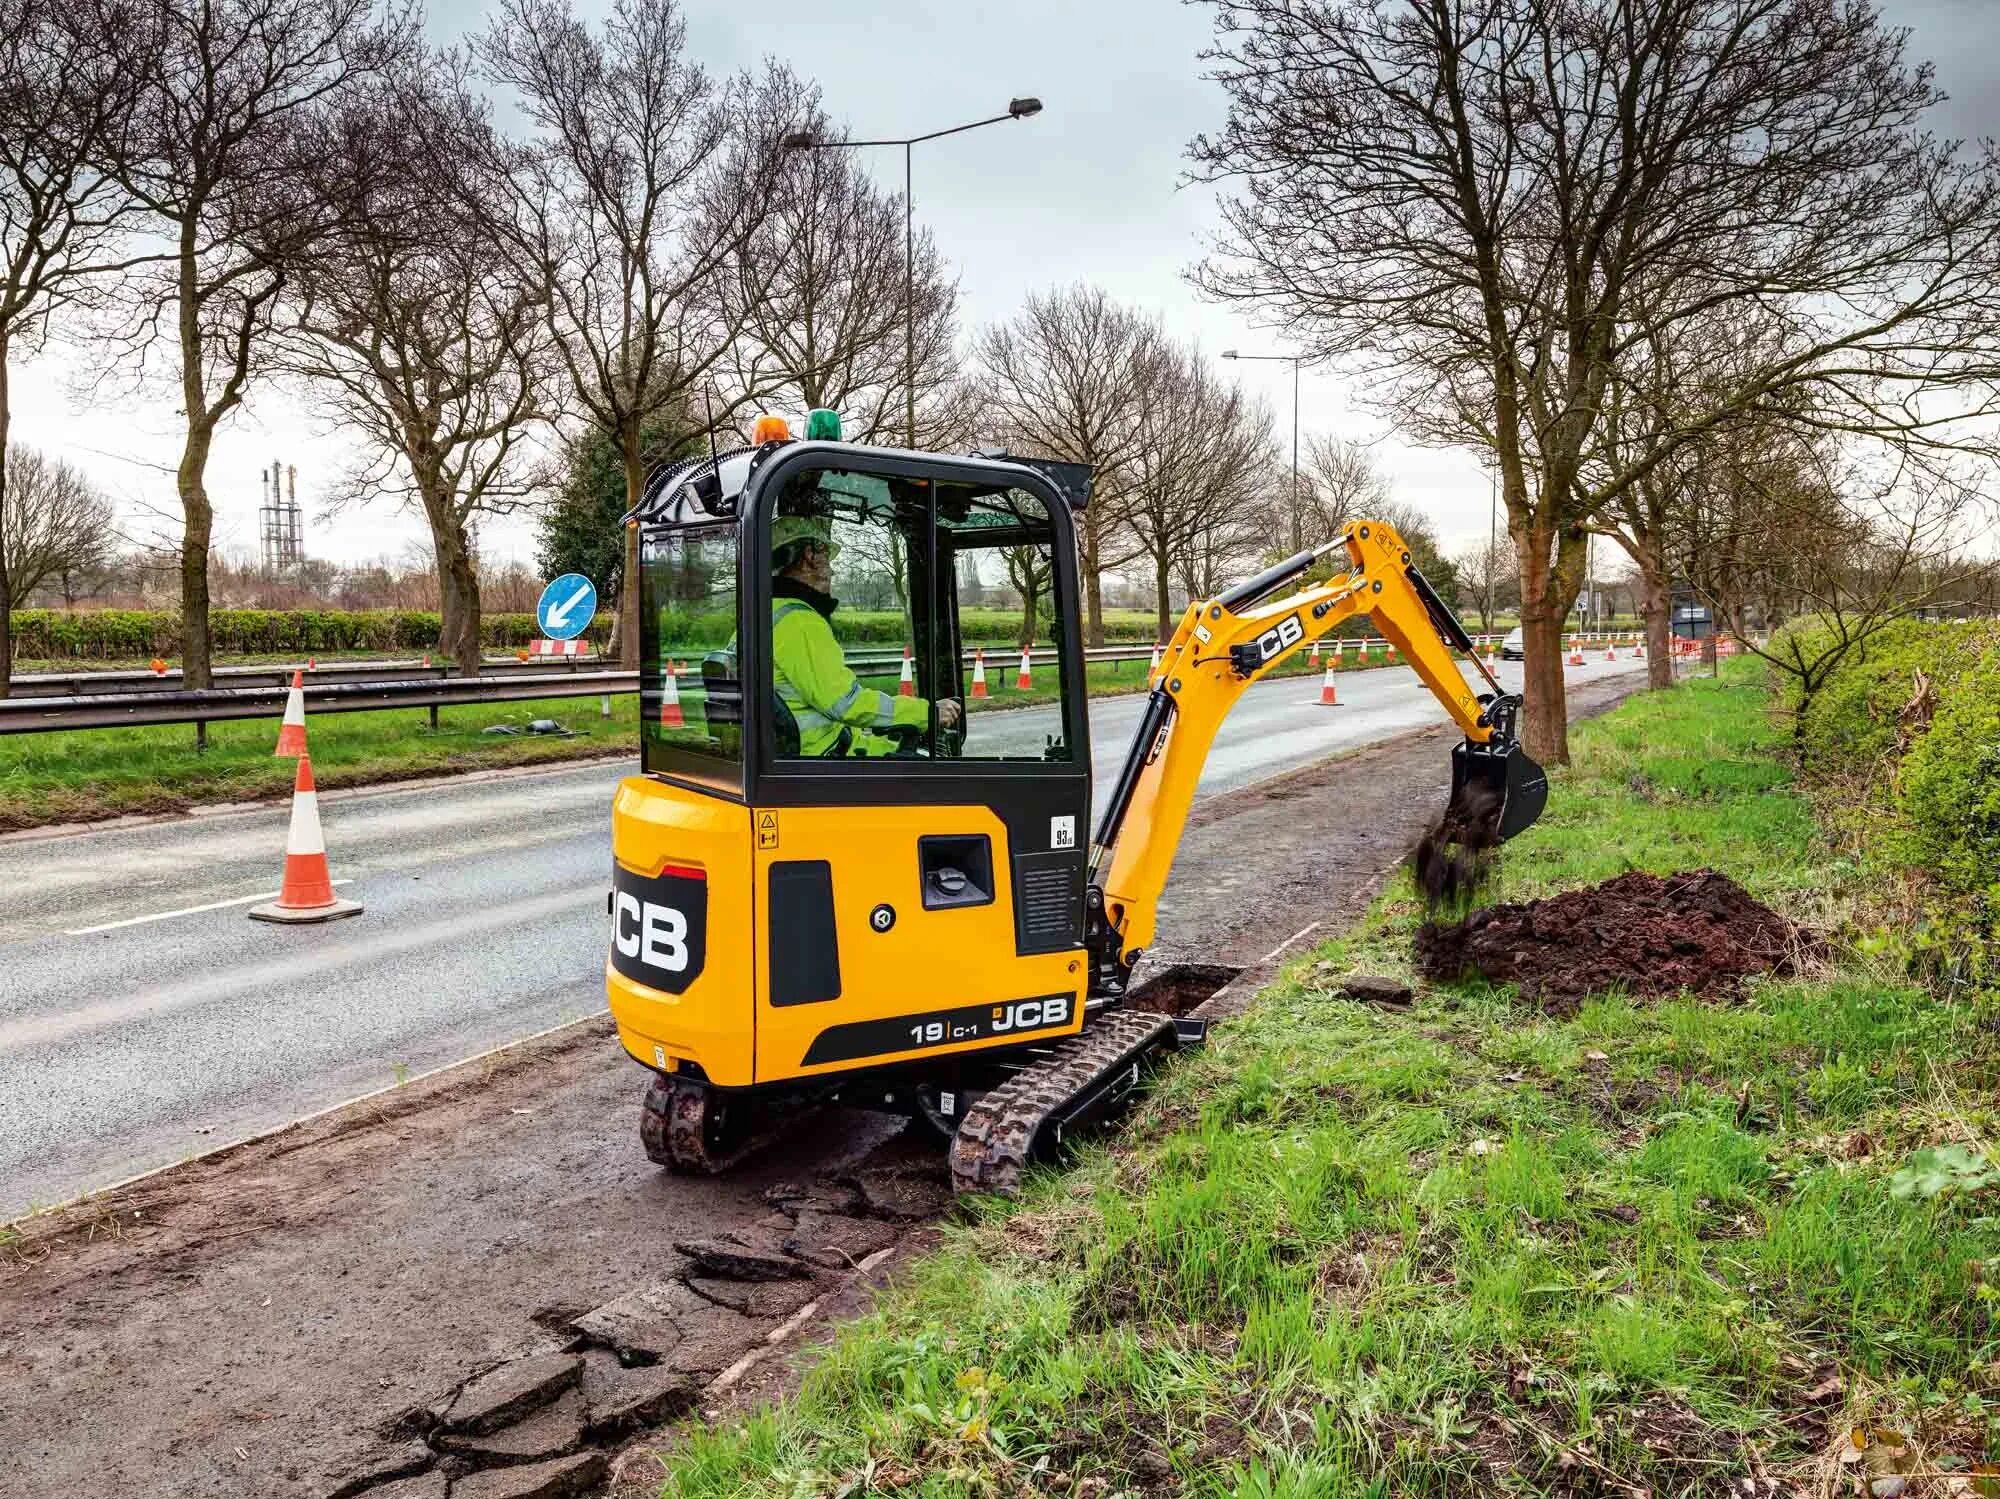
[(824, 695)]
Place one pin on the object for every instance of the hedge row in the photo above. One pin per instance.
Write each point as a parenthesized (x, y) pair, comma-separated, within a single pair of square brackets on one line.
[(1936, 782), (136, 634)]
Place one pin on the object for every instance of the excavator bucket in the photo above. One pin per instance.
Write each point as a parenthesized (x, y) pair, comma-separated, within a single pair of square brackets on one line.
[(1494, 793)]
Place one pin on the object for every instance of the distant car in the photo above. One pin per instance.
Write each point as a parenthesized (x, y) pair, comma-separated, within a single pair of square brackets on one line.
[(1511, 648)]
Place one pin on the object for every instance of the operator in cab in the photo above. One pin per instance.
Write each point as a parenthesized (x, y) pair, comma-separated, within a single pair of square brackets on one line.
[(836, 714)]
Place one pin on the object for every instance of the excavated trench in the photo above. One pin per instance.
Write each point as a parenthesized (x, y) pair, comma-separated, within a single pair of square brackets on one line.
[(1642, 934)]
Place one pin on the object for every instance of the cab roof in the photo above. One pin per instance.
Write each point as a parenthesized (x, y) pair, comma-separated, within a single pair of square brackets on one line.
[(706, 488)]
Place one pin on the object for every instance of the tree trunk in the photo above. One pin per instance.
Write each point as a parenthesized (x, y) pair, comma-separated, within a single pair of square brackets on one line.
[(198, 522), (1163, 623), (1656, 608), (6, 588), (458, 592), (625, 635), (1088, 551), (1544, 608)]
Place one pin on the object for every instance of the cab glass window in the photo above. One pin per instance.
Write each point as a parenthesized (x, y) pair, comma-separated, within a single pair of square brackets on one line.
[(690, 697), (997, 572), (899, 611)]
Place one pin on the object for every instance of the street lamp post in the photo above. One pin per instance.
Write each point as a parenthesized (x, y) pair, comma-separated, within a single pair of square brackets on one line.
[(1295, 360), (801, 140)]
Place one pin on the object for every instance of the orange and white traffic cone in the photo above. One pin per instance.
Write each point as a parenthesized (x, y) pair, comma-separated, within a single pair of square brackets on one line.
[(1390, 647), (1314, 658), (307, 892), (979, 674), (312, 663), (908, 686), (1153, 667), (1610, 653), (1575, 652), (1026, 681), (670, 702), (1639, 651), (1327, 697), (292, 732)]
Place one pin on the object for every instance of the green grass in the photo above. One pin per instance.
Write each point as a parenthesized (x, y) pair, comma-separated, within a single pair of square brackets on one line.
[(1469, 1248), (95, 773)]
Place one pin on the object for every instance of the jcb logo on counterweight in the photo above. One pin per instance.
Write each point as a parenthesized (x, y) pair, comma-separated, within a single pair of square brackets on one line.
[(659, 926), (1282, 636)]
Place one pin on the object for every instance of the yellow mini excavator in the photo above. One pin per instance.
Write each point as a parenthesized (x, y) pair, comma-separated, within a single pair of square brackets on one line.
[(831, 883)]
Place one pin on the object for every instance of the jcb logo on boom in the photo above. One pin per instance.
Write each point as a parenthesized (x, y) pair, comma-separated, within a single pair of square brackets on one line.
[(1282, 636), (1030, 1014)]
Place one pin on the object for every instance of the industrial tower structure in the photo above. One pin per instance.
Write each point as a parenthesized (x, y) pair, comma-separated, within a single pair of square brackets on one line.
[(278, 520)]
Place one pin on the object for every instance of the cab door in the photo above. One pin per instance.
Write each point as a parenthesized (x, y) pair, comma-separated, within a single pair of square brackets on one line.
[(930, 901)]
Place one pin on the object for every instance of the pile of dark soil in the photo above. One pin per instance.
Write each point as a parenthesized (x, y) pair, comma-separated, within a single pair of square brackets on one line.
[(1697, 930)]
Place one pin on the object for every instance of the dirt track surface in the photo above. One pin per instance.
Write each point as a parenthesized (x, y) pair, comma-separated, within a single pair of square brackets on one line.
[(270, 1320)]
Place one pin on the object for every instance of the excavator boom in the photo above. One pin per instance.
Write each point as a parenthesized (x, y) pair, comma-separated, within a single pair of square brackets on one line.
[(1226, 643)]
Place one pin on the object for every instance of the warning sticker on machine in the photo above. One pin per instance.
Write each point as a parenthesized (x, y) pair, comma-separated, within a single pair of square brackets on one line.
[(1062, 832), (767, 830)]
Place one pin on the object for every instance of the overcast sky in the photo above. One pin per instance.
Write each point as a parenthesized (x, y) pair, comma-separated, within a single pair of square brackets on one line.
[(1087, 191)]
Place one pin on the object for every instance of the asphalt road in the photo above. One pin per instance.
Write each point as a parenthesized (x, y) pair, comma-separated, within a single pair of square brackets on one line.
[(137, 1028)]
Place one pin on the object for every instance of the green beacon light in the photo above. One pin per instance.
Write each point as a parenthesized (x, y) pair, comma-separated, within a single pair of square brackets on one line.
[(822, 425)]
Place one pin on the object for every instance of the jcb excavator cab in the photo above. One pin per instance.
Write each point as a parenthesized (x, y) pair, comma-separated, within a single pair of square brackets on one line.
[(832, 881)]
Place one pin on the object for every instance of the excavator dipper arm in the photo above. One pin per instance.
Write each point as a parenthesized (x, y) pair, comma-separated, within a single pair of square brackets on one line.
[(1225, 644)]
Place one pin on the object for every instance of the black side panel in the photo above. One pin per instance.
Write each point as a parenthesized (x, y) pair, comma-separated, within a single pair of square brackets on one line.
[(805, 956), (1048, 901)]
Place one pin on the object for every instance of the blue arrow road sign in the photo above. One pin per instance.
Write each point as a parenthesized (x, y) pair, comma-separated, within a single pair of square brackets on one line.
[(566, 606)]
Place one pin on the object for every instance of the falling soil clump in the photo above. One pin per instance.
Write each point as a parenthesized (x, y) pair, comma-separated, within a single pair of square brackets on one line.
[(1453, 858), (1643, 934)]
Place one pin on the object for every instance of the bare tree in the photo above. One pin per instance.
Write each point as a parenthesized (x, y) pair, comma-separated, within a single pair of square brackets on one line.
[(1230, 543), (1491, 574), (231, 124), (1486, 204), (420, 331), (1204, 452), (635, 196), (821, 297), (1341, 481), (54, 522), (62, 98), (1063, 380), (1776, 524)]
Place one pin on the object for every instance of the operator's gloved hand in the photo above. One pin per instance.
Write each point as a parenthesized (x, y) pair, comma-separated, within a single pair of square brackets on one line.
[(949, 713)]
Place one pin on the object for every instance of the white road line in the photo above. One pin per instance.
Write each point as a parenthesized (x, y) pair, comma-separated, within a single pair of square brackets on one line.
[(1291, 939), (214, 905)]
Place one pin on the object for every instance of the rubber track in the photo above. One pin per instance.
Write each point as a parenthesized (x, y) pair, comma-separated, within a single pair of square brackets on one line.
[(673, 1127), (997, 1135)]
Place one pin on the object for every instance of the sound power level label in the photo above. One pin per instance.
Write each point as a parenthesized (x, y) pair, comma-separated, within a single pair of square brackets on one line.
[(874, 1038)]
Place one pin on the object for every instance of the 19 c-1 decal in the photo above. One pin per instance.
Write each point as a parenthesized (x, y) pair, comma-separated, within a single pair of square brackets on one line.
[(873, 1038)]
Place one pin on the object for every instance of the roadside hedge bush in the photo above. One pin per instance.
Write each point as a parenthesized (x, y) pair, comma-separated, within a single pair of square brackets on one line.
[(1940, 796), (1852, 719), (1949, 785), (137, 634)]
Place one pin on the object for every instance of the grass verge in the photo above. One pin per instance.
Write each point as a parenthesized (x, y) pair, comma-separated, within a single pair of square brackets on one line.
[(1467, 1248), (89, 774)]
